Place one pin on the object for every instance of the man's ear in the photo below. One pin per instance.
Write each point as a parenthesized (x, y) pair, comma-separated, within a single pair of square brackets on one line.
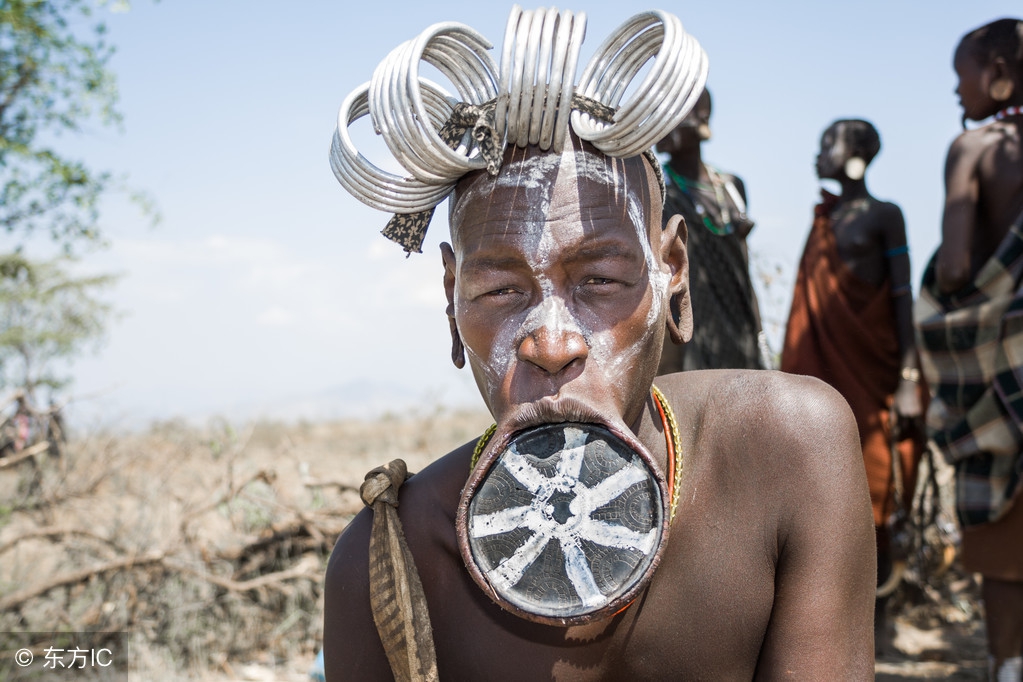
[(680, 306), (1002, 84), (447, 254)]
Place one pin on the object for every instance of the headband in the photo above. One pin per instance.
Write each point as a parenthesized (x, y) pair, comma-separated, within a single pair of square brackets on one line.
[(533, 99)]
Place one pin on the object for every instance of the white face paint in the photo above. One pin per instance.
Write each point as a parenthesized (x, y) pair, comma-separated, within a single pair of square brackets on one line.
[(550, 215)]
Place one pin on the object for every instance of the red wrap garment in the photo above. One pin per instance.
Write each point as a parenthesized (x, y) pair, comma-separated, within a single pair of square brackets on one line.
[(842, 331)]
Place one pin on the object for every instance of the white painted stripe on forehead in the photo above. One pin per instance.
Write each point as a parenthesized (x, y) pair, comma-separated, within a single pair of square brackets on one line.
[(537, 172), (531, 171)]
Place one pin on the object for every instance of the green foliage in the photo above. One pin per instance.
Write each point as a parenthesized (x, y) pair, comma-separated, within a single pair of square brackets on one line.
[(53, 79), (46, 314)]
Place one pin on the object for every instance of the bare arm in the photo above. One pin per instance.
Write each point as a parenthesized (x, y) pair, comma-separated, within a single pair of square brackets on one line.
[(907, 397), (351, 645), (821, 625), (959, 221)]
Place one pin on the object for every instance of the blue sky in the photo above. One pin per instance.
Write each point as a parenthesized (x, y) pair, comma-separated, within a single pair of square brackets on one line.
[(267, 287)]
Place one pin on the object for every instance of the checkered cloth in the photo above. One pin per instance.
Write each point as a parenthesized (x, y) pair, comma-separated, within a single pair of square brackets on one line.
[(971, 353)]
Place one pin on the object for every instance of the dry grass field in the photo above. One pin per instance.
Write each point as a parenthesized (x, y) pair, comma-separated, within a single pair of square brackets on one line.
[(208, 546)]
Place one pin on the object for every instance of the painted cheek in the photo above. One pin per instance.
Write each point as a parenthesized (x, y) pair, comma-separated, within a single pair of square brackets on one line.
[(660, 280), (613, 361), (480, 341)]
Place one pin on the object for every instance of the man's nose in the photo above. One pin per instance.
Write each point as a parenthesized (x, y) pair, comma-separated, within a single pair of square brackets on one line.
[(552, 350)]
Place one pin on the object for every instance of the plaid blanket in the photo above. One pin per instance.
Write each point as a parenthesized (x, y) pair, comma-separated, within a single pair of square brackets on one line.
[(971, 354)]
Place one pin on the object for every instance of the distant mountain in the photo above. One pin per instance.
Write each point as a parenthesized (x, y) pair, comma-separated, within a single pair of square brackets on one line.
[(359, 399)]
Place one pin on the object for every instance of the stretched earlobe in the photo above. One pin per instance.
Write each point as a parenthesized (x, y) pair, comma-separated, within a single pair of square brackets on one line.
[(457, 349), (855, 168), (1001, 89), (447, 255), (679, 320)]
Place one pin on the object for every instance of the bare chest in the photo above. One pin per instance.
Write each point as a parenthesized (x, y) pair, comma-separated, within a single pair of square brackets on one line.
[(859, 241), (704, 615)]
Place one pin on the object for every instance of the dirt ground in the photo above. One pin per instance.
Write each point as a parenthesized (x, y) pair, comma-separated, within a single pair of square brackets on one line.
[(945, 651), (209, 546)]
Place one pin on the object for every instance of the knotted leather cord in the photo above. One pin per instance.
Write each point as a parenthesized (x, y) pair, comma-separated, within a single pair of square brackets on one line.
[(395, 592), (409, 229)]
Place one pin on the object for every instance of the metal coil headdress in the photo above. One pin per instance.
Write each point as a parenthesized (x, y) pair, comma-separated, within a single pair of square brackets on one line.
[(532, 100)]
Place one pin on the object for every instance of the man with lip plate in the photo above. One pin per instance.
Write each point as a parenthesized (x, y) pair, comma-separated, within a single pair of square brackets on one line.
[(743, 545)]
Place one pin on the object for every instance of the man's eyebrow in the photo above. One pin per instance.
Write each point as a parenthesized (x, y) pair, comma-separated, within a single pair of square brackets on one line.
[(492, 262), (607, 249)]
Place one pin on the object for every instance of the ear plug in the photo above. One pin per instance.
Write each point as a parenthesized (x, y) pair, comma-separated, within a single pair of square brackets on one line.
[(855, 168), (1001, 90)]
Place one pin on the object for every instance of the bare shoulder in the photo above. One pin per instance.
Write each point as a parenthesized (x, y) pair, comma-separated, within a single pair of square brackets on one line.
[(789, 418), (737, 182), (782, 452), (350, 638), (890, 211), (887, 221), (426, 494), (753, 394), (970, 145)]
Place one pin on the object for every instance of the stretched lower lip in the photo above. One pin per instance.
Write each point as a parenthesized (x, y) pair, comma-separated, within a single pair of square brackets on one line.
[(549, 410)]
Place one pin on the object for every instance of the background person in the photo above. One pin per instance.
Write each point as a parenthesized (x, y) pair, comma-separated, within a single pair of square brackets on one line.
[(727, 331), (969, 331), (851, 322)]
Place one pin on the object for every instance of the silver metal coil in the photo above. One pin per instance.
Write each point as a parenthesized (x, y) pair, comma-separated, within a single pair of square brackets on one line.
[(533, 89), (538, 63), (668, 92), (374, 187)]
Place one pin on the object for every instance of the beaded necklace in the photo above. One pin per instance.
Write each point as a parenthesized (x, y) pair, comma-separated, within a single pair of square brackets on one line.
[(716, 186), (1009, 111), (671, 439)]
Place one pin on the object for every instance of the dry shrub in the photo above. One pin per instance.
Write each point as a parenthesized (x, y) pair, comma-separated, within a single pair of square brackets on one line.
[(207, 544)]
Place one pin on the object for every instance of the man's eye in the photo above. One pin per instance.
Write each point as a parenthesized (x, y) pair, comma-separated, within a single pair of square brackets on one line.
[(504, 291), (599, 281)]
